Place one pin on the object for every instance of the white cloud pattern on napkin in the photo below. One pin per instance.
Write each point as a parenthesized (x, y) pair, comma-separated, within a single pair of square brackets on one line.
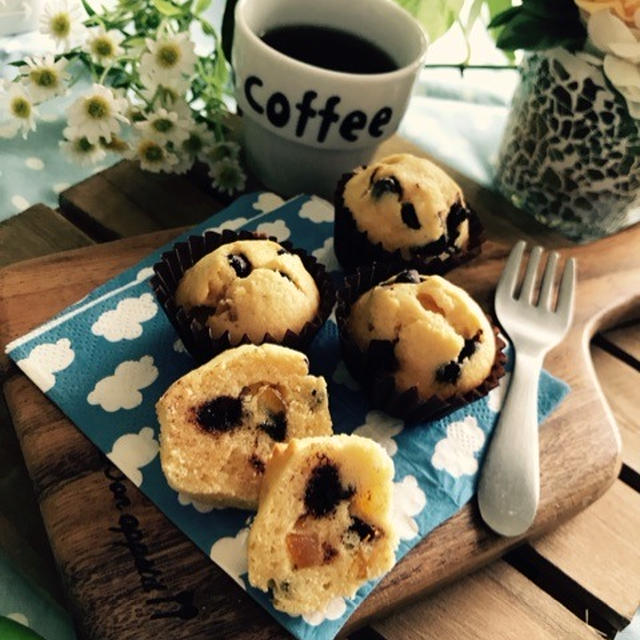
[(125, 321), (455, 453), (231, 555), (326, 255), (232, 225), (317, 210), (381, 427), (342, 376), (408, 501), (267, 202), (121, 390), (185, 500), (132, 451), (45, 360), (277, 228), (335, 609)]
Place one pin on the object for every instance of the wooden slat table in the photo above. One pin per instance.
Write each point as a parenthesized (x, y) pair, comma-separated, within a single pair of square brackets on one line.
[(580, 581)]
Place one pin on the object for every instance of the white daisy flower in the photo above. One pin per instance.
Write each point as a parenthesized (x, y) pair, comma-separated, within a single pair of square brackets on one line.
[(165, 126), (97, 114), (199, 141), (62, 21), (104, 46), (185, 162), (81, 151), (18, 111), (167, 58), (227, 176), (44, 77), (153, 156), (172, 87), (221, 150)]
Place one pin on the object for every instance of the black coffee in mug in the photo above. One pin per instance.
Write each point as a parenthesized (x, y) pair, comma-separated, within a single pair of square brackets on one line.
[(329, 48)]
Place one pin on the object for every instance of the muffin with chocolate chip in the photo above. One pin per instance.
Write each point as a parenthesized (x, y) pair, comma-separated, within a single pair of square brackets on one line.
[(250, 288), (221, 290), (404, 209), (420, 344), (324, 525), (219, 423)]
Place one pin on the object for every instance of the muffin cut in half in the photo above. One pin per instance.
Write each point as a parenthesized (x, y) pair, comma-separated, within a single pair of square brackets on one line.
[(323, 526), (218, 423)]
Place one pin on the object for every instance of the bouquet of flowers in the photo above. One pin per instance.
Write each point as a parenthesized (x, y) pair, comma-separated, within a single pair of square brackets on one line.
[(152, 97)]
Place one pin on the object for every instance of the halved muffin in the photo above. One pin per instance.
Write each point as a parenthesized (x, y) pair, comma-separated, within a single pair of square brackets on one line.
[(323, 526), (219, 423)]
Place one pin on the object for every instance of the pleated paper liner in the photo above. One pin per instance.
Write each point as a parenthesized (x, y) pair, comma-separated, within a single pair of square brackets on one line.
[(371, 368), (196, 336), (353, 247)]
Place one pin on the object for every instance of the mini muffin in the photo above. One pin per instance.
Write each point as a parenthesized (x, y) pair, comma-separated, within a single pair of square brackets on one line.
[(323, 526), (219, 423), (252, 288), (221, 290), (420, 344), (404, 209)]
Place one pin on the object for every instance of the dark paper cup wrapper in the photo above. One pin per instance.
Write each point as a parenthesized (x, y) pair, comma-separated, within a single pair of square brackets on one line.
[(196, 336), (353, 247), (369, 369)]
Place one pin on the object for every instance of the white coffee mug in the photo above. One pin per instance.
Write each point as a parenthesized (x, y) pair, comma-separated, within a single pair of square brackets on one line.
[(304, 126)]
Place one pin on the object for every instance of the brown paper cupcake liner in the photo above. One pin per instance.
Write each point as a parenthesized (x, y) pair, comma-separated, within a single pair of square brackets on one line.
[(353, 247), (196, 336), (369, 367)]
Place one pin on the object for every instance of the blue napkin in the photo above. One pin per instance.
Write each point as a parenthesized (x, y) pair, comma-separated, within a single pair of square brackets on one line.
[(106, 360)]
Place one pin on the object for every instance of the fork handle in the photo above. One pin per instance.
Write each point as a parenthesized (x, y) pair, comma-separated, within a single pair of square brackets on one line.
[(509, 487)]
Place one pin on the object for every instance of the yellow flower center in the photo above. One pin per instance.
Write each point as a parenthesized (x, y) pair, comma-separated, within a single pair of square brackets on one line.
[(151, 152), (20, 107), (162, 125), (97, 108), (168, 55), (102, 47), (60, 25), (46, 78), (82, 145)]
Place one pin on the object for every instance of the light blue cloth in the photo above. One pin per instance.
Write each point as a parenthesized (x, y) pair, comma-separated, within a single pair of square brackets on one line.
[(106, 360)]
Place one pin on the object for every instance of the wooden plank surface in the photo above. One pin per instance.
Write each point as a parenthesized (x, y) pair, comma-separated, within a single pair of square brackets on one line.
[(621, 386), (461, 544), (113, 197), (495, 602), (609, 570), (151, 202), (37, 231)]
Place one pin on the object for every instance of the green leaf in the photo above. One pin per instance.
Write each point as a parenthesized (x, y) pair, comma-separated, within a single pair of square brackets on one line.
[(207, 27), (436, 16), (474, 14), (166, 8), (504, 17), (201, 6), (88, 8)]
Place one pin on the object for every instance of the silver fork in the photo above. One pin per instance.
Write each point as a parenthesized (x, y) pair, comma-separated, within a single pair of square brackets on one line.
[(509, 487)]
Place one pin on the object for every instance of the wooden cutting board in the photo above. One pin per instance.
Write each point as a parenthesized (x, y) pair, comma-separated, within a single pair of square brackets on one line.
[(131, 574)]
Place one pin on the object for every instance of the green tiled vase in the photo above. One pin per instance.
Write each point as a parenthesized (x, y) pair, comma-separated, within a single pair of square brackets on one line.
[(570, 155)]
